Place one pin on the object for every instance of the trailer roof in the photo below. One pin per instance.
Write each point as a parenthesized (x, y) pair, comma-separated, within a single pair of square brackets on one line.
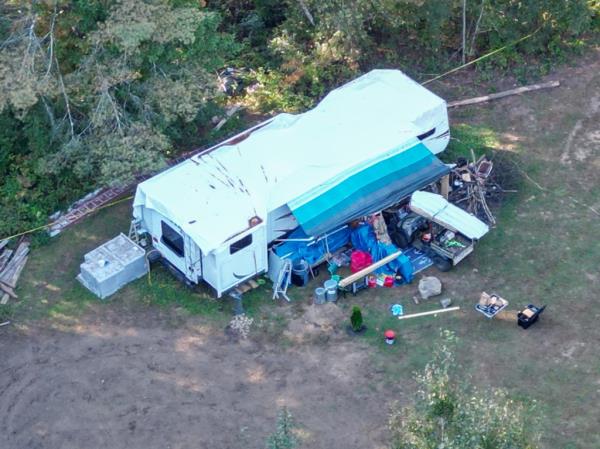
[(213, 196)]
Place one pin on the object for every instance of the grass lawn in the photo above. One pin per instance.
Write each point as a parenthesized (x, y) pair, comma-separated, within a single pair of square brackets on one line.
[(545, 250)]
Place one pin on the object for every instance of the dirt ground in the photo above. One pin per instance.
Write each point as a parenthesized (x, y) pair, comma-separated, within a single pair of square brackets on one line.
[(108, 383)]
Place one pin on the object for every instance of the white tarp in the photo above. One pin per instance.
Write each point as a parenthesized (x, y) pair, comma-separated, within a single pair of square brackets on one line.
[(212, 196), (435, 208)]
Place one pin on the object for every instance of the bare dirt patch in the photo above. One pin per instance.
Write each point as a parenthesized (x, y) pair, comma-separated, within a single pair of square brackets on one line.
[(315, 322), (101, 384)]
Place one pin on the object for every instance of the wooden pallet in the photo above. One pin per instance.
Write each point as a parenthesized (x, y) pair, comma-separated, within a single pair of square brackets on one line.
[(246, 287)]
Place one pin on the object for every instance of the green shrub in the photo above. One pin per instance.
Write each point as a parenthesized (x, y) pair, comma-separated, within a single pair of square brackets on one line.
[(447, 414), (356, 319), (283, 437)]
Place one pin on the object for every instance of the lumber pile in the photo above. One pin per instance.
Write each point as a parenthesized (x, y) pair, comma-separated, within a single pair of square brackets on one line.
[(12, 263)]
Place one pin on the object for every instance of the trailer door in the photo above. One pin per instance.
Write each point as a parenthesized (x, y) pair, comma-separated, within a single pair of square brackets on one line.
[(193, 260), (244, 258)]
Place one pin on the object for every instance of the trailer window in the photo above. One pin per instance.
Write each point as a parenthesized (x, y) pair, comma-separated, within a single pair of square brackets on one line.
[(172, 239), (240, 244)]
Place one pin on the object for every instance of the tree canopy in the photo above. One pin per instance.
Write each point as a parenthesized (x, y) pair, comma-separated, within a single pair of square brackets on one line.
[(95, 92)]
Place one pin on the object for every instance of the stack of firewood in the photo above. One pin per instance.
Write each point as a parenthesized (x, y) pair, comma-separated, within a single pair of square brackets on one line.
[(12, 263)]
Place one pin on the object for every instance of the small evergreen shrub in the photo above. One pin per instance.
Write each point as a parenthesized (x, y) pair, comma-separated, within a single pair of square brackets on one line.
[(283, 437), (356, 319)]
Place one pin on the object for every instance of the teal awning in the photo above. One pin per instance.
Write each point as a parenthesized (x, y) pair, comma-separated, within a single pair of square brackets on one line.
[(368, 190)]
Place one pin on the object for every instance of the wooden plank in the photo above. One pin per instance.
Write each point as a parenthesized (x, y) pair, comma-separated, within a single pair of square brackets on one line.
[(16, 273), (253, 283), (4, 299), (445, 186), (431, 312), (228, 115), (244, 287), (9, 268), (22, 249), (362, 273), (11, 265), (11, 272), (8, 290), (4, 258), (506, 93)]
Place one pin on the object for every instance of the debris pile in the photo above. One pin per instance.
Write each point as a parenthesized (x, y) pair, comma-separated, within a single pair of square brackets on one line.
[(12, 263), (473, 185)]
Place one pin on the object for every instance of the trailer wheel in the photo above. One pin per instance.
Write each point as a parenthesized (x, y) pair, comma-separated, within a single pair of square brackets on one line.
[(441, 263)]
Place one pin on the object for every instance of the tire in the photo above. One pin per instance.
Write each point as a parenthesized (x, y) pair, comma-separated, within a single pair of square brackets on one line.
[(442, 264), (153, 256), (399, 239)]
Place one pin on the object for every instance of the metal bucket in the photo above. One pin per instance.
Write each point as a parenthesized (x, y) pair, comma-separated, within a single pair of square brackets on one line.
[(320, 295), (331, 295), (331, 287)]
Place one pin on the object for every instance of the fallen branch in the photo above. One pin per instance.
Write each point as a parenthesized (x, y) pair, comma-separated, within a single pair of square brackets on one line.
[(506, 93), (306, 12)]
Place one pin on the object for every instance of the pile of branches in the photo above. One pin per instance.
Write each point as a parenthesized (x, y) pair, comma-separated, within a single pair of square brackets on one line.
[(478, 185)]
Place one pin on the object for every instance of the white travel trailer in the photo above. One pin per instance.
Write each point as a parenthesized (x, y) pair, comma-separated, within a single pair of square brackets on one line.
[(365, 146)]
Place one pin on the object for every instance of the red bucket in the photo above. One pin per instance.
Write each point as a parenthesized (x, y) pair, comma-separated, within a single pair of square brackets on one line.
[(390, 336), (372, 281)]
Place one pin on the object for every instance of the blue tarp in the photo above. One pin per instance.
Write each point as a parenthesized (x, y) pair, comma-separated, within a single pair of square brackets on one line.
[(313, 250), (363, 238), (369, 190)]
